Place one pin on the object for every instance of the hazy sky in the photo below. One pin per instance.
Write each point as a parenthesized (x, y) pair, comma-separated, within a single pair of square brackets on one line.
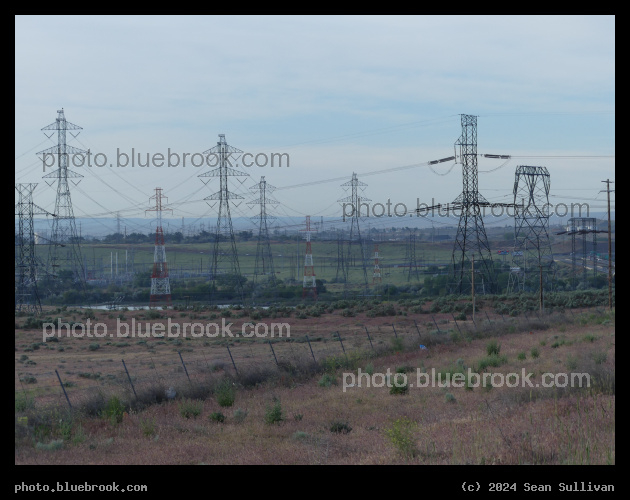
[(339, 94)]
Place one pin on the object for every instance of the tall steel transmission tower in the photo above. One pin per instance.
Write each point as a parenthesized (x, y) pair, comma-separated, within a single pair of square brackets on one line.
[(340, 275), (410, 260), (160, 285), (376, 274), (264, 258), (355, 199), (309, 285), (582, 226), (471, 235), (224, 255), (532, 248), (64, 230), (26, 295)]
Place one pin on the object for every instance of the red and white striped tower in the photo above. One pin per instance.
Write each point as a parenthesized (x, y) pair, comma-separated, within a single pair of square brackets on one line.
[(160, 286), (376, 276), (309, 287)]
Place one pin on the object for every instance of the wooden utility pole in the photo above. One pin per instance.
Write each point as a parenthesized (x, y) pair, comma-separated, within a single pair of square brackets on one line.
[(608, 182)]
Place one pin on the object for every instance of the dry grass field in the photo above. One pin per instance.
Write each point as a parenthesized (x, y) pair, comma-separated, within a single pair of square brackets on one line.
[(298, 411)]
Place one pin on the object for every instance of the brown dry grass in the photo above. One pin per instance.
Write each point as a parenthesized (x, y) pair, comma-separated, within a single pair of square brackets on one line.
[(497, 426)]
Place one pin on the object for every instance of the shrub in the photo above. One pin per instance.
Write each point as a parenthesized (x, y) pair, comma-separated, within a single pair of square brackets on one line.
[(94, 346), (217, 417), (599, 357), (397, 387), (300, 436), (340, 427), (147, 426), (273, 413), (493, 360), (327, 380), (190, 408), (493, 347), (449, 398), (534, 352), (401, 435), (589, 337), (239, 415), (53, 445), (28, 379), (572, 362), (225, 393), (114, 410), (521, 356), (369, 369), (23, 402)]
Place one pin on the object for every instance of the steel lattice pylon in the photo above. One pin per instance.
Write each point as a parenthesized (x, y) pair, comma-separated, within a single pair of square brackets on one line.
[(309, 284), (160, 283), (26, 295), (64, 230), (582, 226), (471, 235), (355, 232), (532, 248), (410, 257), (224, 255), (264, 259)]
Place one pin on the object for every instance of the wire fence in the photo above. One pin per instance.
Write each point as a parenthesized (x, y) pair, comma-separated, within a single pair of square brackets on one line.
[(171, 363)]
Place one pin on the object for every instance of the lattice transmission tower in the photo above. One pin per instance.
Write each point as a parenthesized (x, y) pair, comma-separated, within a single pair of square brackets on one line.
[(29, 266), (309, 285), (410, 258), (376, 274), (224, 254), (264, 258), (582, 226), (64, 230), (355, 240), (471, 234), (532, 248), (160, 284)]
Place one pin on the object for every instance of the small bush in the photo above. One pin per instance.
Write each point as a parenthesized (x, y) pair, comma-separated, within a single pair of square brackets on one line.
[(52, 446), (190, 408), (327, 380), (401, 435), (599, 357), (521, 356), (300, 436), (493, 348), (572, 362), (590, 337), (273, 413), (369, 369), (23, 402), (147, 426), (449, 398), (239, 415), (339, 427), (397, 387), (534, 352), (94, 346), (225, 393), (217, 417), (114, 410), (28, 379)]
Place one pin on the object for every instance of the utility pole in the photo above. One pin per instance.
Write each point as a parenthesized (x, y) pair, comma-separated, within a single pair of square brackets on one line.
[(608, 182)]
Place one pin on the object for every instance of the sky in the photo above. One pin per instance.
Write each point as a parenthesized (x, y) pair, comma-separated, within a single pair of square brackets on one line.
[(338, 94)]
